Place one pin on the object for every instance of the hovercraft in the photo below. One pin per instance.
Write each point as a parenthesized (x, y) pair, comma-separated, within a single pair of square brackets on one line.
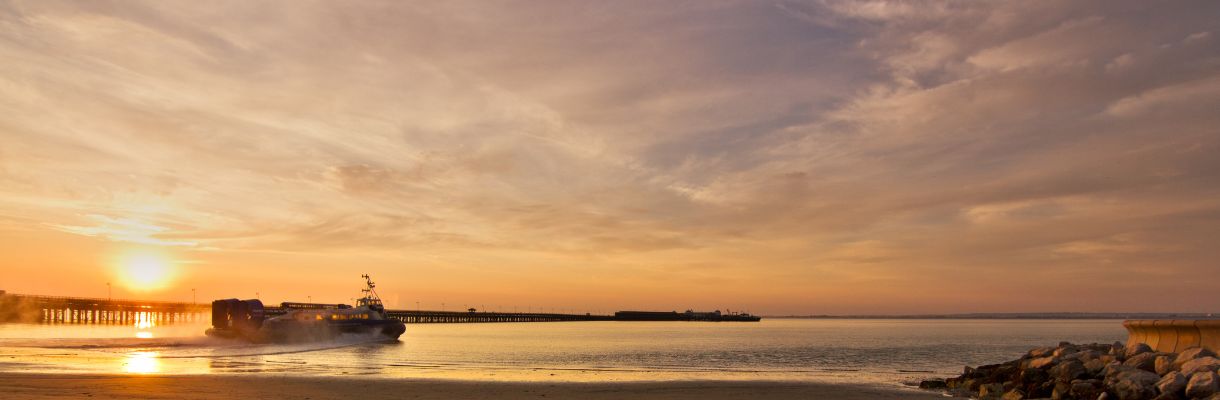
[(303, 322)]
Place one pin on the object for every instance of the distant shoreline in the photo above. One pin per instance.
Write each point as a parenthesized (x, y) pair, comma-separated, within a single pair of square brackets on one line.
[(1013, 316)]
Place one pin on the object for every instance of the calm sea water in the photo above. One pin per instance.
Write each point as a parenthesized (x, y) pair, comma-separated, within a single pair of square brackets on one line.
[(875, 351)]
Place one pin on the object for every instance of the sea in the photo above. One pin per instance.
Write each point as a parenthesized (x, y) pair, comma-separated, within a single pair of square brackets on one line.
[(872, 351)]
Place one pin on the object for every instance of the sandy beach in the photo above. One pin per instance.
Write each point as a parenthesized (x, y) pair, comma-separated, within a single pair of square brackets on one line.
[(228, 387)]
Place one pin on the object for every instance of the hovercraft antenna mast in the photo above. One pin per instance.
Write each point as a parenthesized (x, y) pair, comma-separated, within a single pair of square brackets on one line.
[(369, 293)]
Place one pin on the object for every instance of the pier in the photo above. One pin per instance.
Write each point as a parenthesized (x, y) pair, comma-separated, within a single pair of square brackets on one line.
[(424, 317), (449, 317), (85, 310)]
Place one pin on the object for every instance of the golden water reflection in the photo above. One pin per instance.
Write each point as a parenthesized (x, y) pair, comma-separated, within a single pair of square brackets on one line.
[(142, 362)]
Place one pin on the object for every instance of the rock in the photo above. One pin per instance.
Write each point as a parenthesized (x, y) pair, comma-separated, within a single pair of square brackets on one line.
[(1086, 355), (1111, 372), (1137, 349), (1131, 390), (1165, 364), (1144, 361), (991, 391), (1068, 371), (1041, 391), (1087, 388), (1034, 376), (1042, 362), (1041, 352), (1172, 383), (1064, 349), (1095, 366), (1191, 354), (1117, 349), (1014, 394), (1200, 364), (1202, 384), (1062, 391), (934, 384), (1134, 384), (953, 383), (1168, 396)]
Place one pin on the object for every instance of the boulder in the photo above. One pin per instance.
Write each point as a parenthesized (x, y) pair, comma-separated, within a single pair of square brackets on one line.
[(1144, 361), (1164, 364), (991, 391), (1041, 352), (1134, 384), (1014, 394), (933, 384), (1172, 383), (1202, 384), (1200, 364), (1062, 391), (1068, 371), (954, 383), (1191, 354), (1040, 391), (1064, 349), (1087, 388), (1112, 371), (1118, 349), (1086, 355), (1034, 376), (1095, 366), (1042, 362), (1137, 349)]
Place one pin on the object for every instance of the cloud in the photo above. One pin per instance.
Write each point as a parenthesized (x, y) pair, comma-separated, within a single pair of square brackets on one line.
[(800, 146), (125, 230)]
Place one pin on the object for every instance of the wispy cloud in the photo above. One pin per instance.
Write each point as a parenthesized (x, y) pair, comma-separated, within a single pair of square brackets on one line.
[(800, 146)]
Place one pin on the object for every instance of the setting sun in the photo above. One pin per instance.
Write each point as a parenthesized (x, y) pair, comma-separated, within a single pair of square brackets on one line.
[(145, 270)]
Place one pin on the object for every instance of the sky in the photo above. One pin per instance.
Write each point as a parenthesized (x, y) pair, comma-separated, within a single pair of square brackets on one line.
[(780, 157)]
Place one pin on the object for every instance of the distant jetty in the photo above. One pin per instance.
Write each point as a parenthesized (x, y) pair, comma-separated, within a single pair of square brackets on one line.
[(689, 315)]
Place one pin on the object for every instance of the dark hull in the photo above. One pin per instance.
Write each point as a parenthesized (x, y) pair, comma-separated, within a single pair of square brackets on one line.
[(292, 331)]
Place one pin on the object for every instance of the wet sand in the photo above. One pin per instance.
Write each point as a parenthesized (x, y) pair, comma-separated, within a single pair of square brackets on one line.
[(230, 387)]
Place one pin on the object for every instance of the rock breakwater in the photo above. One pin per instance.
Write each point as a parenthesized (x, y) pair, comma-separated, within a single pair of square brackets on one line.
[(1092, 371)]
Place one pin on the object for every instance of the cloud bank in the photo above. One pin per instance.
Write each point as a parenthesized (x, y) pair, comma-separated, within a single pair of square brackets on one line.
[(801, 157)]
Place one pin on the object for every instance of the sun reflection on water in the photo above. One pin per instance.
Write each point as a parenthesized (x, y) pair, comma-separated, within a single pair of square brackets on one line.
[(144, 323), (142, 362)]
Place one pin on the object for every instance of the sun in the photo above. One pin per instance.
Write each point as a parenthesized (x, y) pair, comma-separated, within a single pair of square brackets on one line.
[(145, 270)]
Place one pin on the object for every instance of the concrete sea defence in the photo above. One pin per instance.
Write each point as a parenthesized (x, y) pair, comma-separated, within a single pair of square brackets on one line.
[(1174, 335)]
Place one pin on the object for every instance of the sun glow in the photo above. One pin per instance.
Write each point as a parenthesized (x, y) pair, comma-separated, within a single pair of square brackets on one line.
[(145, 270)]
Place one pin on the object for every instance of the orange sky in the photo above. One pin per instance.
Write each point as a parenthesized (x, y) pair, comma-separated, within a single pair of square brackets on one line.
[(818, 157)]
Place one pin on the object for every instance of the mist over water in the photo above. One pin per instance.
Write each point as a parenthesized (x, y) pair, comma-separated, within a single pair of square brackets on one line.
[(879, 351)]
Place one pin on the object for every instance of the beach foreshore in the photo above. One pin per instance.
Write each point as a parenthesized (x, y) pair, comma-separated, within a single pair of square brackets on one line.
[(229, 387)]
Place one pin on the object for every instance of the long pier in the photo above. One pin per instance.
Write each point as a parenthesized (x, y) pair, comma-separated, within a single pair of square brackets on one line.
[(447, 317), (86, 310)]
